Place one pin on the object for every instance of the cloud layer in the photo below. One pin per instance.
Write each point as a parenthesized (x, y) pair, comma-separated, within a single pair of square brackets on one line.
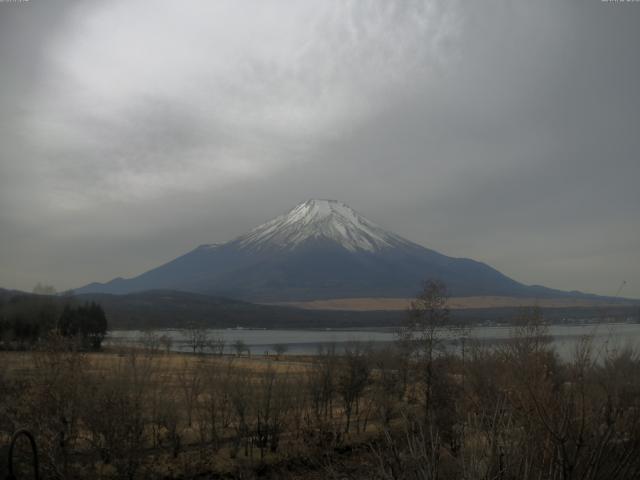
[(506, 132)]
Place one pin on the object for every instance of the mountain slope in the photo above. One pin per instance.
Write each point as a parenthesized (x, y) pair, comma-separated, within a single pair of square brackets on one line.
[(320, 249)]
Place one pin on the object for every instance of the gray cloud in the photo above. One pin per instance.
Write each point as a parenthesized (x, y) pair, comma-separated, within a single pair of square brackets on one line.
[(503, 131)]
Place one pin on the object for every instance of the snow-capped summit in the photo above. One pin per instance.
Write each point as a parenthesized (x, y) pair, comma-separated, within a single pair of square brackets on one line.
[(320, 220)]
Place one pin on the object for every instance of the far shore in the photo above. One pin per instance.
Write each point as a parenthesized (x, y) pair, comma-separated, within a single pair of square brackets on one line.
[(455, 303)]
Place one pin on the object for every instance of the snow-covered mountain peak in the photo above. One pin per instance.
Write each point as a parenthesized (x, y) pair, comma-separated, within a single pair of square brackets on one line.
[(320, 220)]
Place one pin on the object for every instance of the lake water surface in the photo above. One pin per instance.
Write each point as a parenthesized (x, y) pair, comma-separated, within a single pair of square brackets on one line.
[(300, 342)]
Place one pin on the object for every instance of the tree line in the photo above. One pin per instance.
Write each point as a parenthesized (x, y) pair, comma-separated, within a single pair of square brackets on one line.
[(26, 320)]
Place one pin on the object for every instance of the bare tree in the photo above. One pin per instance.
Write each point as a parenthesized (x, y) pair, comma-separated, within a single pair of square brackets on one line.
[(196, 337), (166, 342), (272, 404), (217, 345), (280, 349), (240, 347), (215, 409), (353, 378), (115, 413), (150, 341), (243, 404), (387, 382), (190, 380), (321, 382), (425, 329), (55, 400)]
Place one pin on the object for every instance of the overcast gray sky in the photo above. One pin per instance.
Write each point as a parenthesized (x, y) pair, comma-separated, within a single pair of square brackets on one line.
[(505, 131)]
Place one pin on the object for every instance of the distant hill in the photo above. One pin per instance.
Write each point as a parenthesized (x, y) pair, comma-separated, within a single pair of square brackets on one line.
[(6, 294), (321, 249), (175, 309)]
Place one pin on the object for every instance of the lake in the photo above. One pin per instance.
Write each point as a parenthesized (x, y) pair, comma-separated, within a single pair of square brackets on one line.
[(303, 342)]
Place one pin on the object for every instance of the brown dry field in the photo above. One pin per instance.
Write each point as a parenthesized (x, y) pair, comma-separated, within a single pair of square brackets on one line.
[(17, 363), (369, 304), (167, 368)]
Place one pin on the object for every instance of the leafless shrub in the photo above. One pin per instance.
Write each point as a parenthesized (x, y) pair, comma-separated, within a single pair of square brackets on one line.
[(409, 453)]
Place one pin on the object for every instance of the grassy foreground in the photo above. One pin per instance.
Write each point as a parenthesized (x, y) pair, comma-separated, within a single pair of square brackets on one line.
[(409, 412)]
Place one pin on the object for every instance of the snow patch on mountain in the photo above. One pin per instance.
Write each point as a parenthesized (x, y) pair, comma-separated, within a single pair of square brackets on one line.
[(320, 220)]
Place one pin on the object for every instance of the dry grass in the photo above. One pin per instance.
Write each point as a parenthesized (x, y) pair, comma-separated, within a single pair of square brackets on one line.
[(137, 414), (20, 363)]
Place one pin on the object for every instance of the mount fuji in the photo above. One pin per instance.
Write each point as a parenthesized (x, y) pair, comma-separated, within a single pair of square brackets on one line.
[(321, 249)]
